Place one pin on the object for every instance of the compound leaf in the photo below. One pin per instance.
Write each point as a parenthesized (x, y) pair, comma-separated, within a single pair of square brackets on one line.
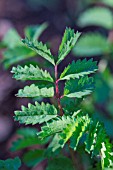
[(30, 73), (79, 68)]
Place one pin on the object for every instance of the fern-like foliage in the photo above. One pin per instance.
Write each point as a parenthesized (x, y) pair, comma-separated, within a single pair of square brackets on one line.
[(67, 124), (80, 68), (36, 113), (30, 73)]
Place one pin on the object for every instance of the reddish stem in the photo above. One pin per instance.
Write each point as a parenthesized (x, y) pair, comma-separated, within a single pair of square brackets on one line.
[(57, 91)]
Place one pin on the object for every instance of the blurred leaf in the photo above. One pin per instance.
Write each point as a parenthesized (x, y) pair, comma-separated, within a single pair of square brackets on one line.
[(33, 157), (12, 38), (33, 32), (19, 53), (91, 44), (28, 138), (10, 164), (97, 16), (60, 163), (107, 2)]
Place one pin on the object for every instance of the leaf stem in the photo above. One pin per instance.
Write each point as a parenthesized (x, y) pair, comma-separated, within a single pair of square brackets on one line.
[(57, 91)]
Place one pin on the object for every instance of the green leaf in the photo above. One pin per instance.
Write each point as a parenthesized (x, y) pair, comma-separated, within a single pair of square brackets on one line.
[(60, 163), (92, 44), (54, 127), (68, 42), (10, 164), (79, 87), (33, 157), (40, 49), (30, 73), (97, 16), (33, 32), (27, 138), (79, 68), (11, 38), (35, 91), (36, 113), (14, 55)]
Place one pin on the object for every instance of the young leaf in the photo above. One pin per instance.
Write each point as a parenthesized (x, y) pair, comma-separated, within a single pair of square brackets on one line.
[(68, 42), (33, 157), (36, 113), (79, 87), (10, 164), (35, 91), (80, 68), (97, 16), (92, 44), (40, 49), (30, 73)]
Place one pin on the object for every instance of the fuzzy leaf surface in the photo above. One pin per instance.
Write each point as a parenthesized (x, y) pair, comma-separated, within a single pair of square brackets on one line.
[(68, 42), (35, 91), (30, 73), (79, 68), (37, 113), (79, 87), (40, 49)]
